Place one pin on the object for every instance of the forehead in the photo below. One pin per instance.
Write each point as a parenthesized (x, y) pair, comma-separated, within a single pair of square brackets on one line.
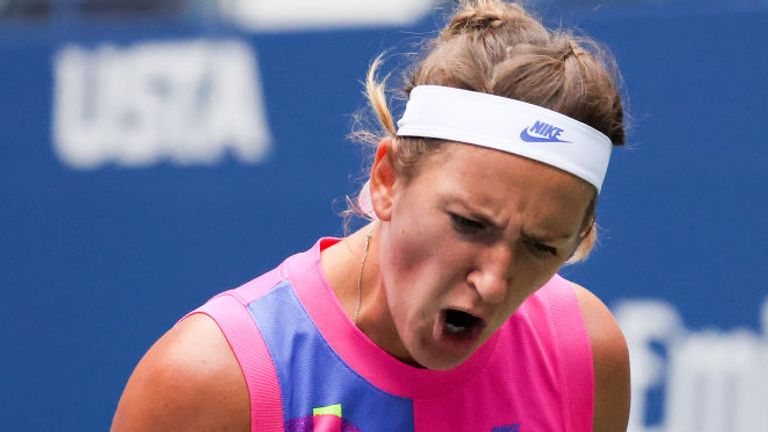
[(500, 182), (469, 165)]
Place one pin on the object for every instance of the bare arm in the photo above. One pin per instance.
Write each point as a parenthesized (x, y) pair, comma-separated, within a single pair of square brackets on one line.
[(189, 380), (611, 362)]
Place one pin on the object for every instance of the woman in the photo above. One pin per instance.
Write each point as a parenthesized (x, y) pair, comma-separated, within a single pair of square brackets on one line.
[(445, 312)]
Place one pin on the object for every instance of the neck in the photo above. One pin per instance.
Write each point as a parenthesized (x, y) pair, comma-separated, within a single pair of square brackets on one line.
[(342, 264)]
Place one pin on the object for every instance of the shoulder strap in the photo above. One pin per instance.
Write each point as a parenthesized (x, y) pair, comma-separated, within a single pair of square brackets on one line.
[(231, 314), (575, 351)]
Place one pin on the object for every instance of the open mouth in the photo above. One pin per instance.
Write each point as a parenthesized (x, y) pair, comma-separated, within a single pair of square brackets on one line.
[(462, 325)]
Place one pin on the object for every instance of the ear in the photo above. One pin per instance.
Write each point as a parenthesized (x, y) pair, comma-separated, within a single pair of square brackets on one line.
[(383, 178)]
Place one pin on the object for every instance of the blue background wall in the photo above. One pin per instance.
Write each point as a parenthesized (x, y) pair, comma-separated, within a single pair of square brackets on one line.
[(96, 264)]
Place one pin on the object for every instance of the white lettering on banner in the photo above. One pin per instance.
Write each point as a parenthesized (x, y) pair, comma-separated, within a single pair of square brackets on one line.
[(711, 380), (185, 102), (270, 15)]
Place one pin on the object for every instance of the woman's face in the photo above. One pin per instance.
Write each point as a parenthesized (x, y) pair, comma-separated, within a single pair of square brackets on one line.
[(466, 240)]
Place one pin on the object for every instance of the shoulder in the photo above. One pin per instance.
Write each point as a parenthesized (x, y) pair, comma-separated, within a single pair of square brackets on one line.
[(189, 380), (611, 363)]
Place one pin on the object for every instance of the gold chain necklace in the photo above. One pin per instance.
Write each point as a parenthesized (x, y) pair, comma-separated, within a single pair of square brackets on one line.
[(359, 290)]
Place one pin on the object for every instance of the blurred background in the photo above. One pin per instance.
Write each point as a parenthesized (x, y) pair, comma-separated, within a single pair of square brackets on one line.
[(154, 153)]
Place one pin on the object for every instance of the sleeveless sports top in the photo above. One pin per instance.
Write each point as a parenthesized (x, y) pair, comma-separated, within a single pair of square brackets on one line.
[(308, 368)]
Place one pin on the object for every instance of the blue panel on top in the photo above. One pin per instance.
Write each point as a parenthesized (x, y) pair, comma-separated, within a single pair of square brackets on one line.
[(312, 375)]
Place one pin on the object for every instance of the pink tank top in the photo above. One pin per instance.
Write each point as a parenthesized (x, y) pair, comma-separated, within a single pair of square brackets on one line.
[(308, 368)]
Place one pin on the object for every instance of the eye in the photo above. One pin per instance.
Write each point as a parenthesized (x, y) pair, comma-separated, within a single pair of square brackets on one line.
[(541, 250), (467, 226)]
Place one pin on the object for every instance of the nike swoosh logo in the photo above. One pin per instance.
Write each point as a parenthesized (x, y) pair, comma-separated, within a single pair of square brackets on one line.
[(525, 136)]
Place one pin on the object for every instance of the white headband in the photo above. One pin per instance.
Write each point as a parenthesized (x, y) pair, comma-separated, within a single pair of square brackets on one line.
[(508, 125)]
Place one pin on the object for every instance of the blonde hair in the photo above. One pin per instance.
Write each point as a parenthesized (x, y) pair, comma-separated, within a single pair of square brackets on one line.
[(496, 47)]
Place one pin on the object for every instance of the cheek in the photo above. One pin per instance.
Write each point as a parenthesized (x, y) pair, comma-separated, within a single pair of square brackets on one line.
[(412, 243), (417, 269), (408, 270)]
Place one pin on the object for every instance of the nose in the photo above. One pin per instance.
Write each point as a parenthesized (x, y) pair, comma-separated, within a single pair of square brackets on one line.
[(491, 277)]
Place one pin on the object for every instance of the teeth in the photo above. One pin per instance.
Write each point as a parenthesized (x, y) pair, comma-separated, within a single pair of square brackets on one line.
[(454, 329)]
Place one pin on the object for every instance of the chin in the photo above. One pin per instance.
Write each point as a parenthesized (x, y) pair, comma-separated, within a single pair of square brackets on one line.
[(439, 361)]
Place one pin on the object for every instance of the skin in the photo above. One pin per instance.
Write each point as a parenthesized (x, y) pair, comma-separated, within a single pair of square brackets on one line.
[(503, 225)]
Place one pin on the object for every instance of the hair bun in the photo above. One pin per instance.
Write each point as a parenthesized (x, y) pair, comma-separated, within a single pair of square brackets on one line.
[(481, 15)]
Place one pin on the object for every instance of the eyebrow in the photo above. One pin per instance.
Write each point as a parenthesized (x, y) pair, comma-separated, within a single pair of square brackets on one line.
[(485, 218), (546, 238), (475, 213)]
